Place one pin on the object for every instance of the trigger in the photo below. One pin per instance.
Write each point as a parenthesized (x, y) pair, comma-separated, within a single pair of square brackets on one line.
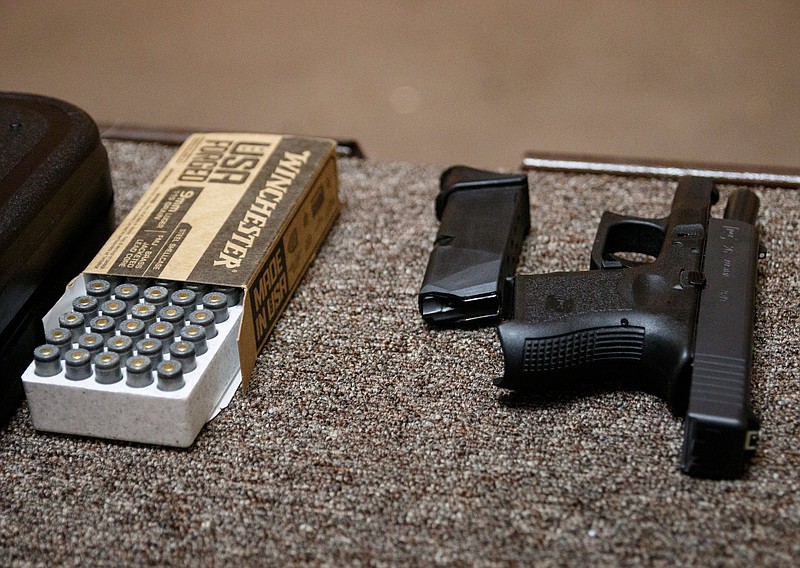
[(620, 234), (611, 262)]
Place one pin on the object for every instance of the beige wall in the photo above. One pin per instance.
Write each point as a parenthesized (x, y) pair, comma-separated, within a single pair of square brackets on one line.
[(472, 82)]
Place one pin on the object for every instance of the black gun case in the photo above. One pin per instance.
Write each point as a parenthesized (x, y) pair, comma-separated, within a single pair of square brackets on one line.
[(55, 212)]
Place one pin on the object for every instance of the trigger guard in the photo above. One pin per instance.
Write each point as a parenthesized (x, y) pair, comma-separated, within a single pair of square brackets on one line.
[(620, 233)]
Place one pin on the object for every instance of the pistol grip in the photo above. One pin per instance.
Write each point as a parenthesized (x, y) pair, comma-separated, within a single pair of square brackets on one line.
[(575, 328), (621, 233)]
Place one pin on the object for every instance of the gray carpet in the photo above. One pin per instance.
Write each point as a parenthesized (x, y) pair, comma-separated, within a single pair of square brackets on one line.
[(368, 439)]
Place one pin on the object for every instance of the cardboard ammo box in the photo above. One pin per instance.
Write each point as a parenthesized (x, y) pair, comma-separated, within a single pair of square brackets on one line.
[(232, 209), (247, 211)]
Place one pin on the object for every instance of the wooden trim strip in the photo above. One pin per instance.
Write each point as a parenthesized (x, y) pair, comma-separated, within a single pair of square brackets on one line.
[(176, 137)]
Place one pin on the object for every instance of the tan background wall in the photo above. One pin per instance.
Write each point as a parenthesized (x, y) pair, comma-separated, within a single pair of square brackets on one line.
[(443, 82)]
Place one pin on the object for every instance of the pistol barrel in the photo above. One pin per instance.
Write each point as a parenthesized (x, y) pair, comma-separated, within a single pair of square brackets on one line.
[(742, 206)]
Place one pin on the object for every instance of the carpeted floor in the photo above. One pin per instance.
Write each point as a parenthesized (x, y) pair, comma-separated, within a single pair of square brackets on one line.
[(368, 439)]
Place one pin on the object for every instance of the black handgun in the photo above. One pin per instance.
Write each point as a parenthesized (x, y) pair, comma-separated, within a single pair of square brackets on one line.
[(679, 327)]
